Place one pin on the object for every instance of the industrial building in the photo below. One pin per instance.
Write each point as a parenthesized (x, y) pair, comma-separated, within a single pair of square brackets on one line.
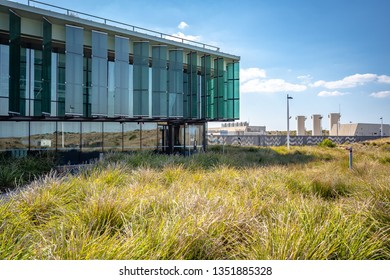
[(360, 129), (73, 81), (237, 128)]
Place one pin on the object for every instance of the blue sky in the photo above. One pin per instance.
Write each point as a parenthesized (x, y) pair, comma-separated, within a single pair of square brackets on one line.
[(328, 55)]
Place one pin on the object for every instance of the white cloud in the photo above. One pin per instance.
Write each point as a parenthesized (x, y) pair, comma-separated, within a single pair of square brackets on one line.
[(251, 73), (384, 79), (331, 93), (352, 81), (381, 94), (306, 79), (253, 80), (185, 37), (270, 86), (182, 25)]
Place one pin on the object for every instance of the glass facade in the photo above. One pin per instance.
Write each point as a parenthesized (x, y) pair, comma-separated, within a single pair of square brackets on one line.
[(87, 90)]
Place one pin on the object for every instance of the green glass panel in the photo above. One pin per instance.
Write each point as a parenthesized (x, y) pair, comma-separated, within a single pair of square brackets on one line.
[(46, 67), (99, 83), (38, 83), (159, 82), (211, 101), (236, 92), (14, 63), (23, 80), (4, 79), (193, 92), (74, 90), (61, 85), (219, 89), (230, 90), (141, 79), (176, 86), (87, 87), (121, 77), (206, 90)]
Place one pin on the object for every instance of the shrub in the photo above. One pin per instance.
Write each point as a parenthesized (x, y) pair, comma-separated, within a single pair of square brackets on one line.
[(327, 143)]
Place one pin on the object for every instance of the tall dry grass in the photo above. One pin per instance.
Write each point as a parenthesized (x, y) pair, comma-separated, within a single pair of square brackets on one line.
[(248, 203)]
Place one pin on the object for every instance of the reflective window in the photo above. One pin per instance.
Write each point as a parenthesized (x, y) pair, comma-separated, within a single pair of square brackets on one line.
[(111, 89), (141, 79), (46, 67), (99, 95), (219, 89), (206, 87), (15, 66), (233, 90), (122, 96), (4, 79), (37, 92), (191, 99), (61, 85), (74, 70), (175, 83), (159, 82)]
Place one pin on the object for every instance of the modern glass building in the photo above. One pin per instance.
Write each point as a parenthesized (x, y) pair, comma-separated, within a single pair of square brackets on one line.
[(72, 81)]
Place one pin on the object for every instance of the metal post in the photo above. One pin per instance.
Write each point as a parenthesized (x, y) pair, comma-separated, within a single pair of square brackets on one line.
[(288, 122), (381, 127), (350, 156)]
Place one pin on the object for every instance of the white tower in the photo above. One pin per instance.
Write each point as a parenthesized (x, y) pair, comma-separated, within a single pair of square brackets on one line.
[(317, 128), (301, 130), (334, 124)]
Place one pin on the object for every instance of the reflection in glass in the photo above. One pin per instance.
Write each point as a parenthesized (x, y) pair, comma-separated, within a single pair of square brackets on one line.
[(149, 139), (112, 136), (92, 137), (43, 135), (68, 135), (131, 136), (13, 135)]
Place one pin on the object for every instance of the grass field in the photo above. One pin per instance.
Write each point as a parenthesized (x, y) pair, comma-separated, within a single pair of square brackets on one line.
[(248, 203)]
